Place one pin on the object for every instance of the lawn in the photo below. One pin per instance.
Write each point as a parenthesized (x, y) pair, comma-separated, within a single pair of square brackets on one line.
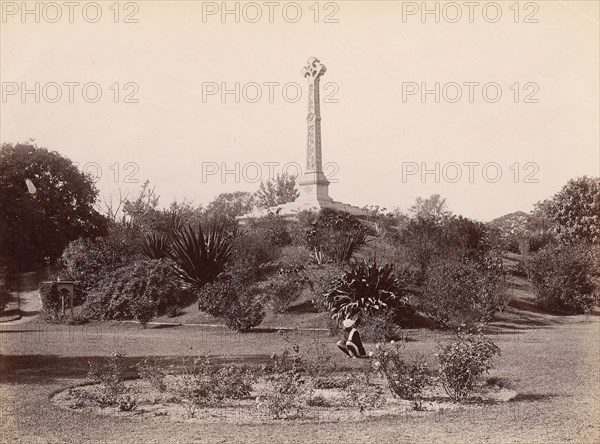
[(552, 362)]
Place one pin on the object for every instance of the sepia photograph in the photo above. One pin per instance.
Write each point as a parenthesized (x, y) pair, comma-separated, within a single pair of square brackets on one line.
[(300, 222)]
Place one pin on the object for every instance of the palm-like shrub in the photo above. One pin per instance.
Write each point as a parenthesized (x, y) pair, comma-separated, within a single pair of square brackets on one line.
[(199, 257), (365, 289), (154, 245)]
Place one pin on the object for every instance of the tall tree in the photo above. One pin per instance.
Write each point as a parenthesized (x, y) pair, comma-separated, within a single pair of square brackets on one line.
[(45, 202), (434, 207), (227, 206), (277, 191), (575, 210)]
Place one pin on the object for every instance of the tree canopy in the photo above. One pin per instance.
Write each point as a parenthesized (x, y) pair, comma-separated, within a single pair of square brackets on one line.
[(575, 210), (277, 191), (45, 202)]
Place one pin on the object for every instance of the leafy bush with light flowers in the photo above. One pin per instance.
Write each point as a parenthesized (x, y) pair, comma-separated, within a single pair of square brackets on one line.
[(406, 380), (463, 361)]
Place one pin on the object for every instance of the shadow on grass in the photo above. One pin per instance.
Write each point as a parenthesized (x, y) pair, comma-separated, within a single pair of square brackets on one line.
[(531, 397), (42, 369), (161, 326)]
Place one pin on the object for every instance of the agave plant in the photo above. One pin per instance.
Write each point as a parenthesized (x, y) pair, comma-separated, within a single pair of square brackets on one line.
[(365, 289), (318, 258), (199, 257), (154, 245)]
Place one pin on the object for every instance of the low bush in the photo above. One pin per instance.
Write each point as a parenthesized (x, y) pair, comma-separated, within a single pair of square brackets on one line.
[(361, 392), (463, 361), (111, 391), (174, 310), (319, 363), (294, 257), (235, 302), (245, 313), (406, 380), (136, 291), (153, 373), (384, 326), (562, 278), (463, 291), (287, 393), (320, 282), (284, 289), (194, 386), (285, 397)]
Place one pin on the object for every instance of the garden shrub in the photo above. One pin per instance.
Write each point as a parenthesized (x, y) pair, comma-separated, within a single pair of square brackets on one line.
[(245, 313), (463, 361), (319, 363), (272, 228), (365, 289), (361, 392), (406, 380), (153, 373), (87, 261), (234, 301), (251, 249), (51, 301), (320, 282), (294, 257), (136, 291), (195, 385), (284, 289), (287, 392), (109, 375), (427, 239), (464, 292), (337, 234), (285, 397), (384, 326), (562, 278)]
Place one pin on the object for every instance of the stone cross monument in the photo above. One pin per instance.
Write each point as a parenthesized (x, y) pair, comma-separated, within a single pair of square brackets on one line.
[(313, 185)]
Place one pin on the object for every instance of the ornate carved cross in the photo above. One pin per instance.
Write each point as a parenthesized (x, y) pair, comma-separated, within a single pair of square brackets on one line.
[(313, 72)]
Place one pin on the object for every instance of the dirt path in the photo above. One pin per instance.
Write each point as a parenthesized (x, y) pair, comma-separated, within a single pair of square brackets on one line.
[(25, 300)]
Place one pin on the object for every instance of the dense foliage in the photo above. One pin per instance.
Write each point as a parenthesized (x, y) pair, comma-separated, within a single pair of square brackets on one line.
[(280, 190), (575, 210), (463, 291), (337, 234), (463, 361), (87, 261), (365, 289), (135, 291), (199, 258), (563, 277), (406, 380), (38, 218)]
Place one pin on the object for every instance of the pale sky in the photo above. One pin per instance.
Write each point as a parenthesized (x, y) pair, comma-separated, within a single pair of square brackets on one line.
[(375, 132)]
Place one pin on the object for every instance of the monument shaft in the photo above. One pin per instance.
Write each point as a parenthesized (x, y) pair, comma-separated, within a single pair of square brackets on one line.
[(313, 183)]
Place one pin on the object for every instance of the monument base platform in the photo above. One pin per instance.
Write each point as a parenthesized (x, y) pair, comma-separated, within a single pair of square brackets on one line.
[(291, 209)]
